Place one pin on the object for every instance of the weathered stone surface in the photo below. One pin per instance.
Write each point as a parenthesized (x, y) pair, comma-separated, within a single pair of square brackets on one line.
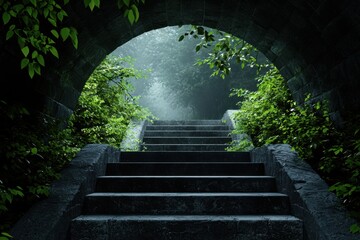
[(322, 34), (323, 215), (229, 119), (50, 218), (172, 227), (133, 136)]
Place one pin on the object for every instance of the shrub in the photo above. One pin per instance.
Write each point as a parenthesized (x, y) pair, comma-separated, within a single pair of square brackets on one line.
[(270, 115)]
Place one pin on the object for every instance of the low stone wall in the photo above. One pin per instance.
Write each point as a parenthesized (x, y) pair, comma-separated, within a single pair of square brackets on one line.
[(229, 120), (133, 136), (50, 218), (323, 215)]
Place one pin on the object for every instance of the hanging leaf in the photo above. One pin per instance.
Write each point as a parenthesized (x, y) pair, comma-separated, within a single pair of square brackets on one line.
[(24, 63), (131, 16), (6, 17), (126, 2), (65, 33), (25, 50), (54, 52), (136, 11)]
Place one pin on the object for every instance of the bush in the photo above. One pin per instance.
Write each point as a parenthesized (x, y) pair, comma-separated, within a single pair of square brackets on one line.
[(271, 116), (33, 152)]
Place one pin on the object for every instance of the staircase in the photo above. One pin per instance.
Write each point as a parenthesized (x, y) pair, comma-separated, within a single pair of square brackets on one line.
[(185, 186)]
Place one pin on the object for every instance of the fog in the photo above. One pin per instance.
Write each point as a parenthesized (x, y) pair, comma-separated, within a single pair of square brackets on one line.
[(175, 88)]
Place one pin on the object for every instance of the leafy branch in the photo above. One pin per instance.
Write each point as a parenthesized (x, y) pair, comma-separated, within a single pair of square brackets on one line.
[(37, 27), (225, 49)]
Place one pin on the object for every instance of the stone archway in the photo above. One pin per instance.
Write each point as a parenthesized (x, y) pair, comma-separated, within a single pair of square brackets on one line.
[(316, 46)]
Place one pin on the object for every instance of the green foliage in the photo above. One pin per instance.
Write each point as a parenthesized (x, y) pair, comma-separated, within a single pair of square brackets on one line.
[(225, 49), (37, 27), (271, 116), (5, 236), (34, 152), (106, 106), (26, 168)]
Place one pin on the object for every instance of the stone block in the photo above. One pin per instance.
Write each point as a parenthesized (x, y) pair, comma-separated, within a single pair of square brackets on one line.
[(321, 211), (50, 218)]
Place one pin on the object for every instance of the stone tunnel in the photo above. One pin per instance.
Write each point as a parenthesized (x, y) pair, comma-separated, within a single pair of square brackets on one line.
[(314, 44)]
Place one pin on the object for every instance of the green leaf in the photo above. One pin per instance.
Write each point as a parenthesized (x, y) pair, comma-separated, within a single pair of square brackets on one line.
[(6, 17), (60, 16), (34, 54), (54, 52), (181, 38), (126, 2), (131, 16), (74, 38), (9, 34), (41, 60), (33, 2), (24, 62), (29, 10), (55, 33), (52, 21), (200, 30), (355, 228), (31, 70), (46, 12), (34, 150), (25, 50), (198, 47), (136, 11), (92, 5), (37, 69), (65, 33)]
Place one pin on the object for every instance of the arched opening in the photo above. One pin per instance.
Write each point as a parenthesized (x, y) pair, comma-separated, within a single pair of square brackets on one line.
[(307, 42), (176, 86)]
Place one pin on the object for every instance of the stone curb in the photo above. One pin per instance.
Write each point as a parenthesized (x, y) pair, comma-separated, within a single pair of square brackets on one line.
[(321, 211), (50, 218), (133, 136), (229, 120)]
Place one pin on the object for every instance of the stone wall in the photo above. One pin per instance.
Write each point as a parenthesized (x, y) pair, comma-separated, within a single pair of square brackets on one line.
[(321, 211), (315, 44), (50, 218)]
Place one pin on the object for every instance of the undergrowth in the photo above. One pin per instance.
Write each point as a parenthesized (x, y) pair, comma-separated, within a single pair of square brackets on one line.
[(33, 151), (270, 115)]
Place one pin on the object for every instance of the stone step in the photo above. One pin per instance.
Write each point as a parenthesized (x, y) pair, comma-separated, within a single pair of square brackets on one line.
[(187, 122), (185, 184), (186, 203), (177, 133), (187, 140), (187, 227), (184, 169), (186, 127), (185, 156), (184, 147)]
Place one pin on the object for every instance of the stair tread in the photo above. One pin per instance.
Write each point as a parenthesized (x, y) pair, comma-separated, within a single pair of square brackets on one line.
[(185, 156), (187, 163), (184, 144), (186, 177), (187, 125), (177, 194), (185, 137), (269, 217)]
